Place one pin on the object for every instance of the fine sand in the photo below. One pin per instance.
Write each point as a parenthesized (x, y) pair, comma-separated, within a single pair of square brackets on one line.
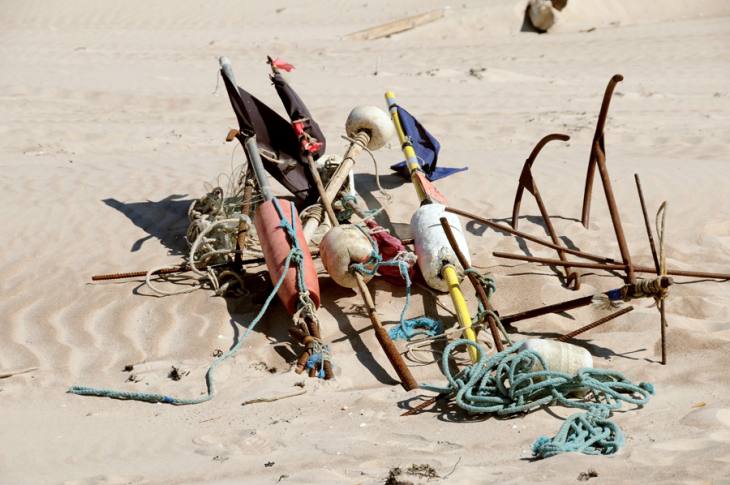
[(112, 122)]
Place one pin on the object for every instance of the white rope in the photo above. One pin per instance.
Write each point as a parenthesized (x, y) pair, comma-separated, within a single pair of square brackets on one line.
[(375, 166)]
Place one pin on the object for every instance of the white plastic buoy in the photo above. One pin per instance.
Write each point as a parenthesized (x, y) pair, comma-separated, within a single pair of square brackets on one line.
[(559, 356), (374, 122), (432, 247), (342, 246)]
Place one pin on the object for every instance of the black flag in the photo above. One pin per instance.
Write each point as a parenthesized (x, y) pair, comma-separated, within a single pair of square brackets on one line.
[(278, 145), (297, 110)]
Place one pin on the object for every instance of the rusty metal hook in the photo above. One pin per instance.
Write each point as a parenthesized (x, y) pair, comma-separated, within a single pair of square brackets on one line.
[(597, 144), (527, 182)]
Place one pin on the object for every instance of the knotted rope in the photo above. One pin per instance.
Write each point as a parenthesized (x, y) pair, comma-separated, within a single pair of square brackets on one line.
[(375, 165), (518, 381), (215, 221)]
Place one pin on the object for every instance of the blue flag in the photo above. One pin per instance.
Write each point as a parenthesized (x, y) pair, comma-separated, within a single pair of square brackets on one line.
[(426, 147)]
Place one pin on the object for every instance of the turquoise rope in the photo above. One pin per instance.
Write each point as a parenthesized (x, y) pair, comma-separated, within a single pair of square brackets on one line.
[(507, 384), (406, 328), (294, 254), (489, 284)]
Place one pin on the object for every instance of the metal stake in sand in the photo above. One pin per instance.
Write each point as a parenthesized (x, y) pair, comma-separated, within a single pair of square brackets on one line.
[(625, 293), (595, 324), (527, 182), (428, 194), (657, 265), (597, 158)]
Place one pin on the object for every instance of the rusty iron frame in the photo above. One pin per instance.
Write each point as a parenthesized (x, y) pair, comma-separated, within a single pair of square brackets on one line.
[(527, 182)]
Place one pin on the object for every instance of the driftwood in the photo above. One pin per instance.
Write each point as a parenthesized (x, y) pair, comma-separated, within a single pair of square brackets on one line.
[(11, 373), (397, 26)]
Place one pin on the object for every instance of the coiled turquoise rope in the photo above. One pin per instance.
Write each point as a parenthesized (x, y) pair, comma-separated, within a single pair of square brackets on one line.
[(507, 384)]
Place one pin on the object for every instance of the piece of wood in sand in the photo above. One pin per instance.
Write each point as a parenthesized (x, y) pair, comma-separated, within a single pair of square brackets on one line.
[(11, 373), (397, 26)]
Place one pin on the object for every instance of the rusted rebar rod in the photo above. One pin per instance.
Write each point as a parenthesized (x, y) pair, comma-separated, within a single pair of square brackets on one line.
[(612, 266), (655, 256), (481, 293), (508, 229), (597, 158), (171, 270), (136, 274), (625, 293), (615, 216), (598, 143), (598, 322)]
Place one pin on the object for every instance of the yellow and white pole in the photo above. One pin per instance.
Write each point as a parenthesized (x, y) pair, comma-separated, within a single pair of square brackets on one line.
[(438, 252)]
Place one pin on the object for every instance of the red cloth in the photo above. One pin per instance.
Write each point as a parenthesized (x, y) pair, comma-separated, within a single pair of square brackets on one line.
[(389, 247)]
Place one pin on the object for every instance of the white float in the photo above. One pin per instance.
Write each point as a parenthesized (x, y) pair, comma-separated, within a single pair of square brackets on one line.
[(432, 247), (559, 356), (342, 246)]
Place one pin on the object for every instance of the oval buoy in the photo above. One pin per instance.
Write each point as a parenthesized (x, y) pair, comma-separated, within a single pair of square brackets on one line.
[(559, 356), (342, 246), (432, 246), (276, 246)]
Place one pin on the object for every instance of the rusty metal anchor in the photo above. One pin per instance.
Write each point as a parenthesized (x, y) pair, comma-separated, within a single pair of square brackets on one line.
[(597, 158), (527, 182)]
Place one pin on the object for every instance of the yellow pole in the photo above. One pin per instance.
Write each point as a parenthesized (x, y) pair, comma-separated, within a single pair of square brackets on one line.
[(462, 312), (408, 151), (448, 272)]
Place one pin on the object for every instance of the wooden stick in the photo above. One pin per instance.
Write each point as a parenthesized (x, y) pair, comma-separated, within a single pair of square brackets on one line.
[(407, 380), (397, 26), (11, 373)]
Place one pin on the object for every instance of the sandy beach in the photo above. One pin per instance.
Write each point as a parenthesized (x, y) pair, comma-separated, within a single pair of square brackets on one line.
[(114, 120)]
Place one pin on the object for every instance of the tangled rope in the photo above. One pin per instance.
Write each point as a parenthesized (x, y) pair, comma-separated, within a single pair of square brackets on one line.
[(215, 222), (407, 328), (424, 345), (318, 355), (518, 381)]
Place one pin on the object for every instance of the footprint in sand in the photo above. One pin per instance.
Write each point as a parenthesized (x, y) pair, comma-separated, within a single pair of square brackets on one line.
[(243, 442)]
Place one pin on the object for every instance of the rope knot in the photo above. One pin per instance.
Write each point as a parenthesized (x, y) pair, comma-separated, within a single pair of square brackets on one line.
[(297, 256)]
